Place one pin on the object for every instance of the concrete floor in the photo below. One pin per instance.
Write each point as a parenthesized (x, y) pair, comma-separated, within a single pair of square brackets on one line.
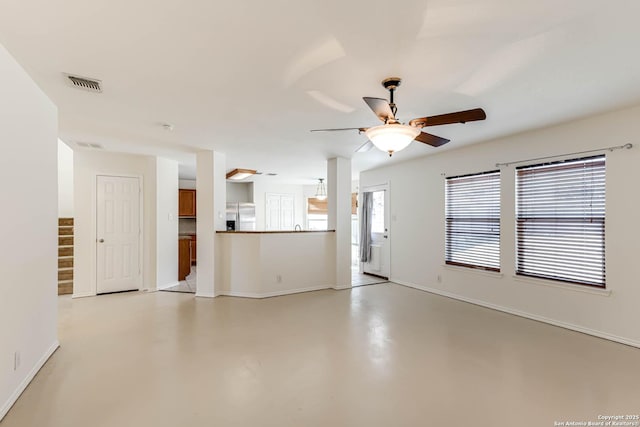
[(379, 355)]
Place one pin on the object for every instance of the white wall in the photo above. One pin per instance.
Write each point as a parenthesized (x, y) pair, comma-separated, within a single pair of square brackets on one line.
[(28, 229), (211, 204), (88, 164), (65, 180), (417, 227), (259, 265), (166, 222), (240, 192), (187, 184), (264, 185), (339, 216)]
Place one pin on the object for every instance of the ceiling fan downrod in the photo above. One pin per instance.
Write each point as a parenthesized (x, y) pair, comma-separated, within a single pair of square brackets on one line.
[(391, 84)]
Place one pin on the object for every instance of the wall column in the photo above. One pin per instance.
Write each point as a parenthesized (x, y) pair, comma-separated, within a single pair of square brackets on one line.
[(211, 195), (339, 216)]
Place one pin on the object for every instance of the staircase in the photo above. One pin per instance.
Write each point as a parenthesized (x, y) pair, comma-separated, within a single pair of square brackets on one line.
[(65, 256)]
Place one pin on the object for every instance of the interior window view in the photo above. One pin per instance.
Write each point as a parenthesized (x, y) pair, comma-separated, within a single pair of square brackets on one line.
[(320, 213)]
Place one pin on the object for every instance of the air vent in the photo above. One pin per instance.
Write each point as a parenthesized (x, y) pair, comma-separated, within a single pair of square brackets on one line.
[(84, 83), (89, 145)]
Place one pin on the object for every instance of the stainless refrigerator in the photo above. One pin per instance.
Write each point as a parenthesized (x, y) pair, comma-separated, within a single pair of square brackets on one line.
[(241, 216)]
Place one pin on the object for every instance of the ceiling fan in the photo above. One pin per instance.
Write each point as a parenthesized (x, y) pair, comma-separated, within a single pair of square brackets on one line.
[(393, 135)]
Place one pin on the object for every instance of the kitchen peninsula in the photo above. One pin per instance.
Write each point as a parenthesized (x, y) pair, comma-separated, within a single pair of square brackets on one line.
[(261, 264)]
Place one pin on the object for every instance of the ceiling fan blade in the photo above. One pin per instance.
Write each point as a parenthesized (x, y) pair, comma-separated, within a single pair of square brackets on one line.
[(433, 140), (365, 147), (445, 119), (380, 107), (338, 129)]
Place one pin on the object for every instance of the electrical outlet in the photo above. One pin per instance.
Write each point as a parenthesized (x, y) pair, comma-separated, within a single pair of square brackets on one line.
[(278, 279), (16, 360), (439, 278)]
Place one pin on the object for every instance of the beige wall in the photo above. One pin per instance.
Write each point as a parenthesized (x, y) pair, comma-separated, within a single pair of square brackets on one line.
[(417, 227), (28, 229), (65, 180)]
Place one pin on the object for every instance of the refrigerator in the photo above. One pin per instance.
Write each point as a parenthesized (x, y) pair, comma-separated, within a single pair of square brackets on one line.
[(241, 216)]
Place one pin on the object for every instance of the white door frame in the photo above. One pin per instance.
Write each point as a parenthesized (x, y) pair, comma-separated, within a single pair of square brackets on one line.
[(379, 187), (94, 229)]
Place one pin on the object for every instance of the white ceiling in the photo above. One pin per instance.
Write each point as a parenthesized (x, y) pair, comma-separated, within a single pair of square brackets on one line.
[(251, 78)]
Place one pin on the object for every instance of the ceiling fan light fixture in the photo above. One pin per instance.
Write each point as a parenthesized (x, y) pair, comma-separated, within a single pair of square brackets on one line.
[(392, 138), (240, 174)]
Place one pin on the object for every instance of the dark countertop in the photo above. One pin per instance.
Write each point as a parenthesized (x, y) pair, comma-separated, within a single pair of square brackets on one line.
[(276, 232)]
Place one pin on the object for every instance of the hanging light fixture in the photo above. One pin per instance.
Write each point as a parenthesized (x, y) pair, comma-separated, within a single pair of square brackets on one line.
[(321, 190), (392, 137)]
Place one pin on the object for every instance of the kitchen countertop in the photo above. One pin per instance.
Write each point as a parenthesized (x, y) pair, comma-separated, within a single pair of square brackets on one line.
[(276, 232)]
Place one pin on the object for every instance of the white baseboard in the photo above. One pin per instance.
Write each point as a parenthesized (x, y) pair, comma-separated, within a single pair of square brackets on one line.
[(273, 293), (83, 295), (205, 295), (168, 285), (340, 288), (30, 376), (554, 322)]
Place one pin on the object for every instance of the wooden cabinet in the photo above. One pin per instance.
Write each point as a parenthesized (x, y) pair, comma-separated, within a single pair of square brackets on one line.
[(193, 250), (184, 258), (187, 203)]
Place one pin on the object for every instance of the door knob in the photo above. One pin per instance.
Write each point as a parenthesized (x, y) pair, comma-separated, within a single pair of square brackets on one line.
[(101, 240)]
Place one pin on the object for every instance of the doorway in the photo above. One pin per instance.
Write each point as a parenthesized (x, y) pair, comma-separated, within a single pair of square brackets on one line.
[(375, 254), (118, 234)]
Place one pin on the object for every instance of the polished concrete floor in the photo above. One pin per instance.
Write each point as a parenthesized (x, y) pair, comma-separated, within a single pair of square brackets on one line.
[(379, 355)]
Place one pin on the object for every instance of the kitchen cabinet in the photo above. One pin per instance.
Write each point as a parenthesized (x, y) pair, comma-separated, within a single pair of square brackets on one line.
[(187, 203), (184, 258)]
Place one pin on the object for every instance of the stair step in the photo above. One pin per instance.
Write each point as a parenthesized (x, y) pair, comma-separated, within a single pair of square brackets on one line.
[(65, 221), (65, 262), (65, 231), (65, 288), (68, 251), (65, 241), (65, 275)]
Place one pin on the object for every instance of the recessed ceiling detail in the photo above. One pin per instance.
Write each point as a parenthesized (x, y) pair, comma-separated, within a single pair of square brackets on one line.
[(84, 83)]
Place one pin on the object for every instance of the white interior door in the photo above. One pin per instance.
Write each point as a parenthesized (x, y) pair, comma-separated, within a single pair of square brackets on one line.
[(118, 234), (380, 248)]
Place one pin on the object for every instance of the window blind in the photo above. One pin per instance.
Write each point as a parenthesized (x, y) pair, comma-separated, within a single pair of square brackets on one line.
[(560, 219), (472, 216)]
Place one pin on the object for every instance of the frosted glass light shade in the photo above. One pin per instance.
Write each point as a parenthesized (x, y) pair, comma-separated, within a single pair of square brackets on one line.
[(392, 137)]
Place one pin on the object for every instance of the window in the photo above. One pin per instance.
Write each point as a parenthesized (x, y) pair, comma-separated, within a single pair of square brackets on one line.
[(560, 221), (316, 214), (472, 216)]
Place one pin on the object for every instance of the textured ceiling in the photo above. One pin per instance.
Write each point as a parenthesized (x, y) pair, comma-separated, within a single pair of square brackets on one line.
[(251, 78)]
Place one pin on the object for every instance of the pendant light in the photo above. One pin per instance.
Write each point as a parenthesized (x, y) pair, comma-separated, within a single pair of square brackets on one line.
[(321, 190)]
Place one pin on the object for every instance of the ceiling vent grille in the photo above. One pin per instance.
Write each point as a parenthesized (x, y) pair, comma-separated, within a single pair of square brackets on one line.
[(89, 145), (84, 83)]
